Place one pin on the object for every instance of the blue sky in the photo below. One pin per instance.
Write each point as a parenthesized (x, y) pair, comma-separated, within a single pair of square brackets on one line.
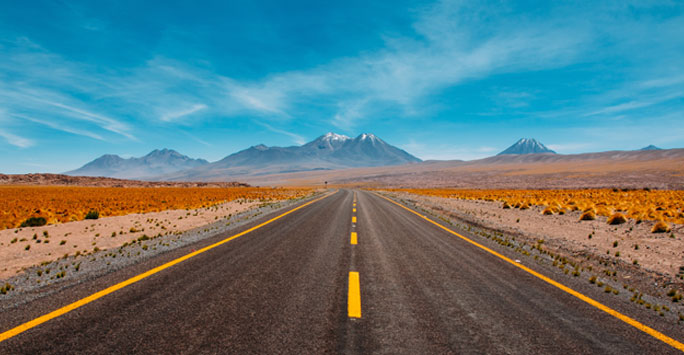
[(443, 80)]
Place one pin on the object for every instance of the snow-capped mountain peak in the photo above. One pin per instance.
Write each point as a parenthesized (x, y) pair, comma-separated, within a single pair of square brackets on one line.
[(331, 136), (527, 146), (367, 136)]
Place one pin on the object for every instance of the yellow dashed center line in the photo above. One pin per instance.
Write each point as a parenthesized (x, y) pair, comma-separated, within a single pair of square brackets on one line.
[(354, 210), (354, 238), (354, 297), (68, 308), (353, 219), (644, 328)]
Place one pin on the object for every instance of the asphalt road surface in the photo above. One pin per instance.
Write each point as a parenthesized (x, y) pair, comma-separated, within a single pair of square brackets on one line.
[(285, 288)]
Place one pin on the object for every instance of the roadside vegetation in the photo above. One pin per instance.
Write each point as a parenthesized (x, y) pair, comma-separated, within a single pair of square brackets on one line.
[(32, 206), (618, 205)]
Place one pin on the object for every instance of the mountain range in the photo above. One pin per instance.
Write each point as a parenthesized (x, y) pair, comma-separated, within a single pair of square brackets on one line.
[(328, 152), (157, 162)]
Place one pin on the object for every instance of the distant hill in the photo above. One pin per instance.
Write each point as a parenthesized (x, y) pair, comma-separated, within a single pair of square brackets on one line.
[(157, 162), (651, 147), (327, 152), (68, 180), (527, 146)]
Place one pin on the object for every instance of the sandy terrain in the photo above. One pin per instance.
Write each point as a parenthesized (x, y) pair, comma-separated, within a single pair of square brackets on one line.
[(657, 252), (51, 242)]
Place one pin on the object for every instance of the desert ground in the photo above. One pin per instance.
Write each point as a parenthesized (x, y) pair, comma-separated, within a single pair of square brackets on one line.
[(24, 247), (661, 253)]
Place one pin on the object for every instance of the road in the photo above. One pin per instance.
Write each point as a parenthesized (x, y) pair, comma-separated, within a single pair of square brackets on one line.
[(285, 288)]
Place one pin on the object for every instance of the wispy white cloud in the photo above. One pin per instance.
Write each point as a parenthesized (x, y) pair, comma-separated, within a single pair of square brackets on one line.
[(15, 140), (60, 127), (636, 104), (174, 115), (105, 122), (408, 70)]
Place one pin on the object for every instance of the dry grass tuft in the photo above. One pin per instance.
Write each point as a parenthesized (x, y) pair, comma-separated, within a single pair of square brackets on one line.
[(617, 218), (548, 211), (588, 216), (660, 227)]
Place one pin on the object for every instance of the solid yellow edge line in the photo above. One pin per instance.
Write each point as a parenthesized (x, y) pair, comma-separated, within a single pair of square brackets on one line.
[(644, 328), (354, 238), (354, 297), (68, 308)]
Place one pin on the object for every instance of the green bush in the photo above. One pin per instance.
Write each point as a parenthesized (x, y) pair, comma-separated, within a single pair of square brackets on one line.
[(92, 215), (34, 222)]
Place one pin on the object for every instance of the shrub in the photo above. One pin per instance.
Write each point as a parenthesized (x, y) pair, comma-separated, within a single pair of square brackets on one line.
[(547, 211), (92, 215), (6, 288), (617, 218), (588, 216), (34, 222), (660, 227), (506, 205)]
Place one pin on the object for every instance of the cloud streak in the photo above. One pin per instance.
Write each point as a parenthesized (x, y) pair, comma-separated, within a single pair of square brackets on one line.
[(15, 140), (59, 127), (175, 115)]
